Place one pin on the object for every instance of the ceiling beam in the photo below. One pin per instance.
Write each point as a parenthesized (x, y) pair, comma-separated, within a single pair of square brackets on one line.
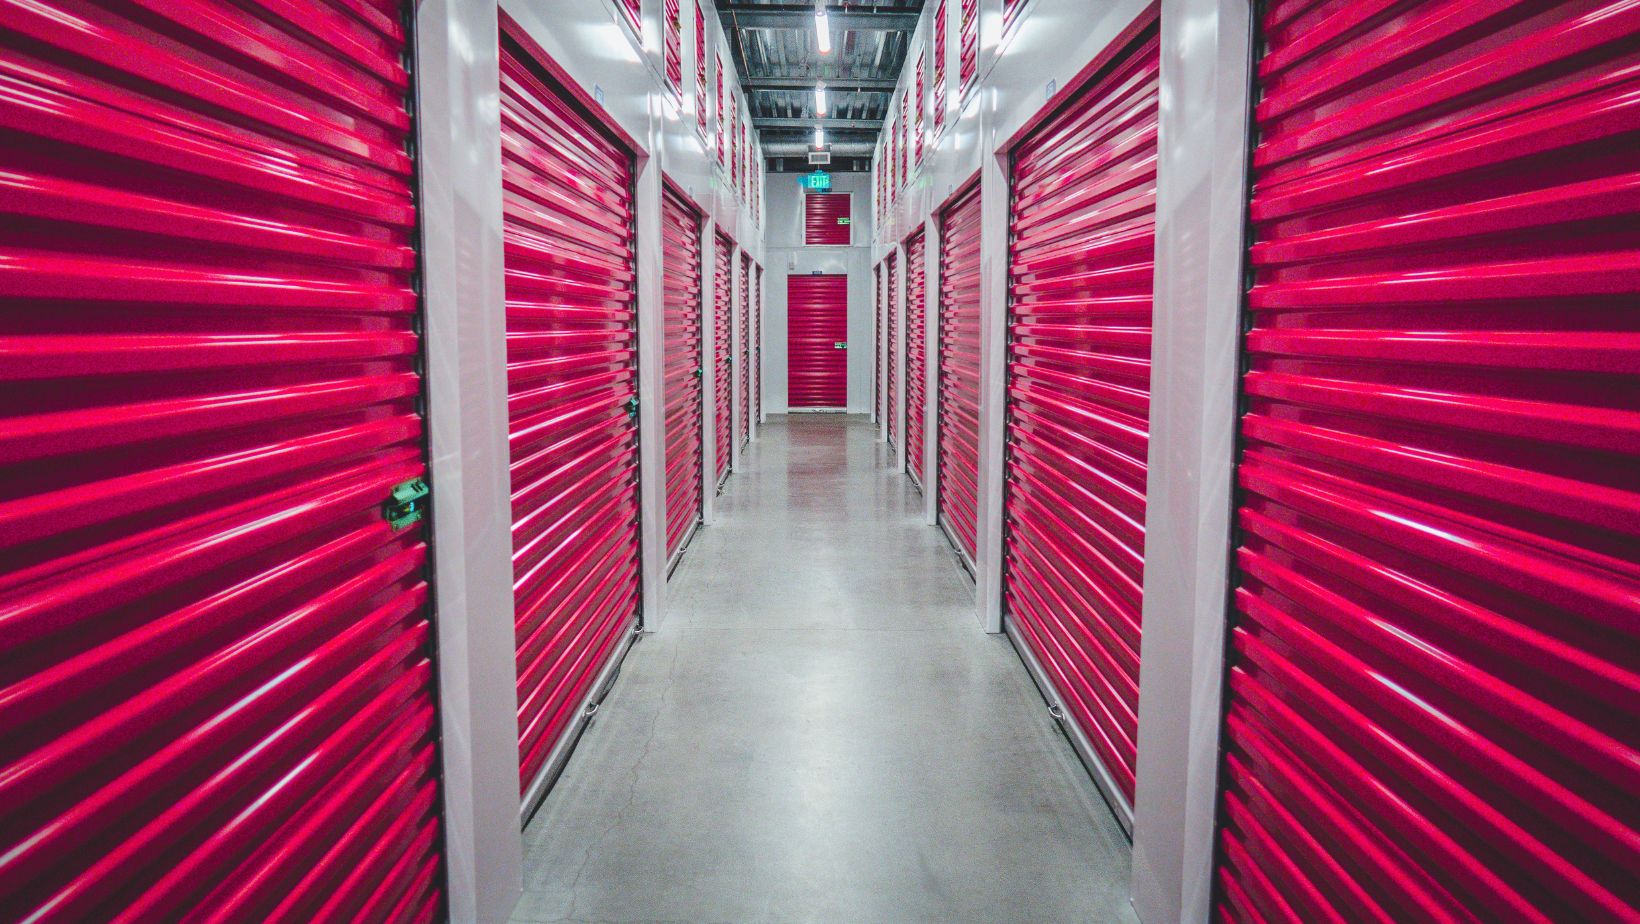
[(850, 84), (801, 16), (862, 125)]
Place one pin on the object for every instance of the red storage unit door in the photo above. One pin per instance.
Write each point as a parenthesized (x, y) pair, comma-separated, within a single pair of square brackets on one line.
[(673, 26), (958, 491), (757, 342), (816, 322), (916, 355), (723, 362), (745, 349), (1082, 223), (877, 338), (967, 46), (826, 218), (684, 389), (1432, 676), (571, 373), (893, 353), (218, 698)]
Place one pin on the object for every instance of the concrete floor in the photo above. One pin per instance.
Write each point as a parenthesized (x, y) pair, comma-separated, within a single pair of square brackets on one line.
[(820, 732)]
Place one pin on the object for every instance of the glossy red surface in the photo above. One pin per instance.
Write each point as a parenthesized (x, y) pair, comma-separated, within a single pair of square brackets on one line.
[(744, 314), (816, 321), (685, 365), (571, 371), (736, 135), (720, 114), (893, 351), (216, 686), (1078, 396), (757, 342), (722, 308), (920, 131), (967, 46), (672, 50), (916, 354), (1433, 693), (878, 344), (959, 324), (700, 70), (828, 219), (940, 19), (902, 156)]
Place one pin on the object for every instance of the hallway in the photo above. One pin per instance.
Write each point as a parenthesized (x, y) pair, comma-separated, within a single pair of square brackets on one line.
[(821, 732)]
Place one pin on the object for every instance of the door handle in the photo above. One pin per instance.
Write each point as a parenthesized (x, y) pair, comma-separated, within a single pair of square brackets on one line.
[(839, 344)]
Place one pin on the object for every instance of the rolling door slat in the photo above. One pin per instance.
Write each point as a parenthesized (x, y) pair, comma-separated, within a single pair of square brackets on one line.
[(958, 492), (684, 389), (757, 343), (571, 371), (218, 700), (722, 287), (1082, 253), (916, 353), (893, 354), (817, 321), (877, 337), (1433, 696), (745, 325)]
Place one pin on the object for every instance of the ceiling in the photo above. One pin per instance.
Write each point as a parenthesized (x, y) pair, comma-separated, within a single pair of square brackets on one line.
[(773, 46)]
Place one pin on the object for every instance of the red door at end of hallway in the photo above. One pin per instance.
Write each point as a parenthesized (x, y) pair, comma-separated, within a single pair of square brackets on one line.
[(916, 355), (218, 694), (571, 388), (817, 339), (723, 364), (683, 370), (1082, 225)]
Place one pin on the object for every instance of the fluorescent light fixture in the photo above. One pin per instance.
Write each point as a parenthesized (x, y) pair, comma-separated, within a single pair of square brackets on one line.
[(822, 29), (820, 98), (819, 136)]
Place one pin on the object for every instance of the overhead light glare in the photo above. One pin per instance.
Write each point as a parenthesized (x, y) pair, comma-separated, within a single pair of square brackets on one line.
[(819, 136), (822, 29), (820, 98)]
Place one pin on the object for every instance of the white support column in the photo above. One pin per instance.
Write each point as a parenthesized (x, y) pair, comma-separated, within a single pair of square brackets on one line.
[(993, 367), (458, 119), (1200, 209), (651, 391), (708, 374), (931, 369)]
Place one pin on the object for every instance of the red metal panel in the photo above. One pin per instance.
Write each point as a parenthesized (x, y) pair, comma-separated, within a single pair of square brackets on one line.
[(940, 19), (684, 365), (893, 393), (745, 312), (700, 70), (903, 156), (718, 112), (571, 381), (827, 219), (1433, 693), (757, 342), (968, 47), (673, 50), (958, 492), (734, 141), (877, 338), (916, 354), (217, 700), (722, 291), (1080, 266), (920, 123), (816, 322), (632, 12)]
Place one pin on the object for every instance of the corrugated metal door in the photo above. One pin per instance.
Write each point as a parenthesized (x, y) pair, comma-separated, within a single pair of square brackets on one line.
[(1082, 227), (217, 701), (916, 355), (571, 401), (877, 337), (958, 491), (757, 343), (967, 47), (723, 358), (826, 219), (817, 339), (1433, 687), (684, 366), (893, 353), (745, 433)]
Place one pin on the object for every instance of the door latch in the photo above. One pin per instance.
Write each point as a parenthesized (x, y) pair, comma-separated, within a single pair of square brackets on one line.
[(406, 504), (839, 344), (632, 408)]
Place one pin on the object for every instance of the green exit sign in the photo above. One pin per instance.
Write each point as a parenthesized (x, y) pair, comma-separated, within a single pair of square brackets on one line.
[(819, 179)]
